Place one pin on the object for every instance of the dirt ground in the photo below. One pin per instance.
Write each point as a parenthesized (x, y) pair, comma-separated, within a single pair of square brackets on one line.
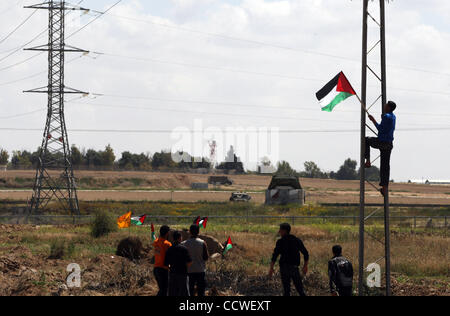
[(176, 187), (27, 271)]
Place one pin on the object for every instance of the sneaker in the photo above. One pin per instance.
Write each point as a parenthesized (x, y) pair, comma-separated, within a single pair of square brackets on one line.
[(368, 164)]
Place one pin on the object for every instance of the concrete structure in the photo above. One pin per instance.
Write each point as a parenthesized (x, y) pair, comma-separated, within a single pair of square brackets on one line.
[(199, 186), (285, 190)]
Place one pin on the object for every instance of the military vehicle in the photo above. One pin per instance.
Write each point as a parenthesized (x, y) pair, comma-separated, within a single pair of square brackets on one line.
[(240, 197), (219, 180), (285, 190)]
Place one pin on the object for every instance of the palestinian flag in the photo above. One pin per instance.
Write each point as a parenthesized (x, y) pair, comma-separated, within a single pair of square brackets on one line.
[(334, 92), (201, 221), (228, 246), (153, 233), (124, 221), (138, 220)]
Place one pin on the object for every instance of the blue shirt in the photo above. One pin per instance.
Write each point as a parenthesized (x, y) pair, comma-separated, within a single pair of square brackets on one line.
[(386, 128)]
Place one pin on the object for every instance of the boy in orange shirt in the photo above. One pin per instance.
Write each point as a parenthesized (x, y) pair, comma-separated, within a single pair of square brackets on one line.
[(161, 271)]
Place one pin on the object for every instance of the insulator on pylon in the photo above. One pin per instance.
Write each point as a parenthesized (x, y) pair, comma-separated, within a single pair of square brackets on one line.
[(49, 136)]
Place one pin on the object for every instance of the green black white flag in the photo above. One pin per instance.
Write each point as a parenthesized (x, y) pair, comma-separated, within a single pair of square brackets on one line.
[(334, 92)]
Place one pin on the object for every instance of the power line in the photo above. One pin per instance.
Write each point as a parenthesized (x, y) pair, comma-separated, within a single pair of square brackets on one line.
[(236, 104), (21, 62), (95, 19), (36, 74), (144, 131), (19, 48), (261, 43), (145, 59), (17, 27), (236, 115)]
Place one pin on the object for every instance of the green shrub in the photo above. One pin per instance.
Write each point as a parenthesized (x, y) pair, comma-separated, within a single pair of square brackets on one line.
[(57, 249), (103, 225)]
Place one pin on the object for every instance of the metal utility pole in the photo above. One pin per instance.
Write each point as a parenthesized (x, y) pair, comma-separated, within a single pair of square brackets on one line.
[(363, 146), (54, 175), (383, 97)]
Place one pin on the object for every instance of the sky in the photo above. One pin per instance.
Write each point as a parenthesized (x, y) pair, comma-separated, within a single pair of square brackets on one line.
[(180, 65)]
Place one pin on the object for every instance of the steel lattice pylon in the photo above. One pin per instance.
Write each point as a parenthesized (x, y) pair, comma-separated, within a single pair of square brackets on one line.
[(54, 175)]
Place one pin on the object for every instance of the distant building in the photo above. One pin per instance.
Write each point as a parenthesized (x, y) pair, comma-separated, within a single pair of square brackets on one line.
[(426, 181)]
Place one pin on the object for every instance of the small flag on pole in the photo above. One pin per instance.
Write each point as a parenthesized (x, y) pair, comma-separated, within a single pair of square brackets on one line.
[(138, 220), (153, 233), (124, 221), (334, 92), (228, 246), (201, 221)]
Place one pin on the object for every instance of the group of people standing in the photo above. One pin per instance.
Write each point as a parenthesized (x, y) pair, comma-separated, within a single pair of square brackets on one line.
[(180, 268)]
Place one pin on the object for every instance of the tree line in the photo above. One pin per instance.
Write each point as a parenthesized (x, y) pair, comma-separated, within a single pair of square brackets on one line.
[(348, 171), (106, 159)]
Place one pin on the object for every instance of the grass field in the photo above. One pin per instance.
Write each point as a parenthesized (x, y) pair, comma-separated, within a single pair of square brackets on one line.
[(420, 257), (420, 260)]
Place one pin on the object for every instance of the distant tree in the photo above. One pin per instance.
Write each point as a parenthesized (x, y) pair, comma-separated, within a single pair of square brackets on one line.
[(347, 171), (313, 171), (285, 169), (130, 161), (372, 174), (21, 159), (77, 157), (92, 158), (107, 157), (4, 157)]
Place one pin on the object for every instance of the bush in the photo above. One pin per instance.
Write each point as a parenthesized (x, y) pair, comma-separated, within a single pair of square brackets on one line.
[(103, 225), (130, 248), (57, 247)]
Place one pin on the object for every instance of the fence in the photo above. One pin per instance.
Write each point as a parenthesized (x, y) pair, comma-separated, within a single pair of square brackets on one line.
[(397, 221)]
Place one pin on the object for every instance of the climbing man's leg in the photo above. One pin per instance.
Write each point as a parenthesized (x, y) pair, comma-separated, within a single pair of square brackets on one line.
[(385, 168), (370, 142)]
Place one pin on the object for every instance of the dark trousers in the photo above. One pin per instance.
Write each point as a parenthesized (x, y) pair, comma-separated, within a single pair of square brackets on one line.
[(178, 285), (385, 150), (288, 273), (345, 291), (162, 278), (199, 280)]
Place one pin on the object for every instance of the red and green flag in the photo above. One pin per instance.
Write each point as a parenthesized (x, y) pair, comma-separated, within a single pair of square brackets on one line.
[(228, 246), (335, 92), (201, 221), (138, 220), (153, 233)]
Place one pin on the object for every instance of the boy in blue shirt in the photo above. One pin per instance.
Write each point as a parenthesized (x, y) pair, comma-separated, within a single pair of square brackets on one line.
[(384, 142)]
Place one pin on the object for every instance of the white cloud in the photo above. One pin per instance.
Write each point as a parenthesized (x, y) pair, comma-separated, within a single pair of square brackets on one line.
[(328, 26)]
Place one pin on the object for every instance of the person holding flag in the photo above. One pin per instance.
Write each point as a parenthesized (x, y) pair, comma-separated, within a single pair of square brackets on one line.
[(384, 142), (161, 270)]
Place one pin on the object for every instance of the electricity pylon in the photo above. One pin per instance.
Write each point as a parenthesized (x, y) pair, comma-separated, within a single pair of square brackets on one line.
[(54, 175)]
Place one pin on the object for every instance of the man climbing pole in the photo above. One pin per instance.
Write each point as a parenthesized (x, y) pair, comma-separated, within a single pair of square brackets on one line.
[(384, 142)]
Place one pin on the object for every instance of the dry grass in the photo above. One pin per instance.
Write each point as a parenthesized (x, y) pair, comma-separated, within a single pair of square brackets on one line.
[(420, 261)]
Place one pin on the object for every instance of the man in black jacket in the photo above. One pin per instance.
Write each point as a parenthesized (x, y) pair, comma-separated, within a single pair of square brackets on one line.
[(289, 248), (178, 260), (340, 271)]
